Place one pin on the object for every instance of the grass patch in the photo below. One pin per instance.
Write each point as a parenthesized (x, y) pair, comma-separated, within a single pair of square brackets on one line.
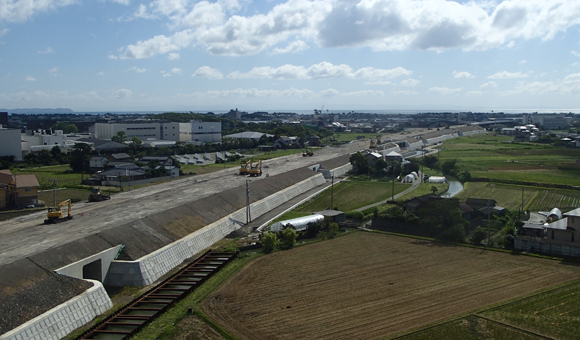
[(165, 326), (494, 157), (424, 189), (470, 328), (351, 195), (62, 173), (63, 194), (555, 313)]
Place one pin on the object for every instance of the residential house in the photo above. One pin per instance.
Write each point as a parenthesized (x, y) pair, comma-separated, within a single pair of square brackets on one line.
[(102, 145), (287, 142), (393, 156), (120, 157), (98, 163), (373, 157), (478, 203), (560, 238), (162, 160), (18, 190), (314, 140)]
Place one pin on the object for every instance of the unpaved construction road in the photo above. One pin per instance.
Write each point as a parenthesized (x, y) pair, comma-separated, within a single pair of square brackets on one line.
[(369, 286), (25, 236)]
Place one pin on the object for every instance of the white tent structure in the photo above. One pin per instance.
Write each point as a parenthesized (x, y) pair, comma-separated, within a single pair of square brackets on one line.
[(437, 179), (300, 223)]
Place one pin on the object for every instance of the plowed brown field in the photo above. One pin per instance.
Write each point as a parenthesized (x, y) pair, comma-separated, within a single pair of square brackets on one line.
[(368, 286)]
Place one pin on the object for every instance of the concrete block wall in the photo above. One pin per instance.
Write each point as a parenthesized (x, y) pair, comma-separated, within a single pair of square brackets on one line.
[(154, 265), (340, 171), (64, 318), (547, 248)]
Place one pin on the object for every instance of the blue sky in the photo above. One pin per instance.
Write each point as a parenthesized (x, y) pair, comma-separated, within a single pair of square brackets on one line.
[(161, 55)]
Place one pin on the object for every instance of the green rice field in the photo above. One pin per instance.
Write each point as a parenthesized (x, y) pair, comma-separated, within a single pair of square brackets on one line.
[(510, 196)]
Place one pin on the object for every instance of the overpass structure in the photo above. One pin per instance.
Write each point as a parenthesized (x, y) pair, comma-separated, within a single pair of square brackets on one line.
[(52, 276)]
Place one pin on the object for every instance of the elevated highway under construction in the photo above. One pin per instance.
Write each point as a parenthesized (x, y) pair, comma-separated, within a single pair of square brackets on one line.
[(133, 239)]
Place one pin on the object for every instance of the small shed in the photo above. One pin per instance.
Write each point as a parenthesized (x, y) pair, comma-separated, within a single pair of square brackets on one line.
[(300, 223), (333, 215), (393, 156)]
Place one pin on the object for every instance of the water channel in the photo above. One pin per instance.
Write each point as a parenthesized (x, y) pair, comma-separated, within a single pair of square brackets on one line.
[(455, 187)]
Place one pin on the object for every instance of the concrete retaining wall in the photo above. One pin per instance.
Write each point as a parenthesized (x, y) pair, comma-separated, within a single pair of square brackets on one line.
[(547, 248), (151, 267), (64, 318), (76, 269), (340, 171)]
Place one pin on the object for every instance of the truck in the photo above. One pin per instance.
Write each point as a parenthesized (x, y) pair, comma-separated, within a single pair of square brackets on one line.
[(256, 170), (55, 214), (97, 196), (245, 168)]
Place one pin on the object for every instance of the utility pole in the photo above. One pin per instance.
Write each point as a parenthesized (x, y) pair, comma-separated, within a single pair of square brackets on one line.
[(248, 214), (394, 164), (423, 162), (332, 194), (488, 224), (54, 191), (522, 214)]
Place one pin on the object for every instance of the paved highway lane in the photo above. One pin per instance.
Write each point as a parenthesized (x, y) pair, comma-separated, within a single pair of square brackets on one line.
[(27, 235)]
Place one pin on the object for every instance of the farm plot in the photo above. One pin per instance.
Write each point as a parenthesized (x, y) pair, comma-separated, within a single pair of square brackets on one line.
[(555, 313), (368, 286), (535, 198)]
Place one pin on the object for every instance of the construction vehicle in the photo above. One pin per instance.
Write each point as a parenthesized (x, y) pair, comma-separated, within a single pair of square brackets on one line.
[(55, 215), (245, 168), (256, 170), (373, 144), (307, 153), (97, 196)]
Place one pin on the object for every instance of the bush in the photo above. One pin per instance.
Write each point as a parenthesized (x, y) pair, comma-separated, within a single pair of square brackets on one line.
[(355, 215), (269, 242), (455, 234), (288, 238), (332, 230)]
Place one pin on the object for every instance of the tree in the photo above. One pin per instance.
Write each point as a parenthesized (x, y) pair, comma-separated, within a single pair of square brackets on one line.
[(381, 165), (80, 157), (430, 162), (434, 189), (288, 237), (65, 127), (135, 142), (478, 236), (269, 242), (448, 167), (120, 137), (359, 163)]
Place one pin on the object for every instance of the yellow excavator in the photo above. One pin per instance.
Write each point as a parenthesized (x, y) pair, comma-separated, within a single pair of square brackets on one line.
[(245, 168), (55, 215), (307, 153), (256, 170)]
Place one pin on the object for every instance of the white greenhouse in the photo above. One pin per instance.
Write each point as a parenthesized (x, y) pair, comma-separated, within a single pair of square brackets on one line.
[(300, 223), (437, 179)]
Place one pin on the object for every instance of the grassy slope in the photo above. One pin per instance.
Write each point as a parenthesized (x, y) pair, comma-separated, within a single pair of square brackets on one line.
[(352, 195)]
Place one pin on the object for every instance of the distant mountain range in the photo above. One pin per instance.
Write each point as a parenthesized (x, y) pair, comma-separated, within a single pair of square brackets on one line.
[(37, 111)]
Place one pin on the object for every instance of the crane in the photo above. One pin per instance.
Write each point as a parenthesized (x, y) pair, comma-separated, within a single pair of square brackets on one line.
[(55, 215)]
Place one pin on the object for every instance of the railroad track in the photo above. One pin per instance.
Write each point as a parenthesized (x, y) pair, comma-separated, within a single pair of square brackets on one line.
[(144, 309)]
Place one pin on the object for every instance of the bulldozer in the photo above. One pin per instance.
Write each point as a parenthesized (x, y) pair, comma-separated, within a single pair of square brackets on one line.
[(55, 214), (245, 168), (307, 153), (256, 170), (97, 196)]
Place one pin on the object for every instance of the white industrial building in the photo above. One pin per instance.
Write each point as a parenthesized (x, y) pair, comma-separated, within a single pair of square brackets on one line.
[(547, 121), (11, 145), (196, 131)]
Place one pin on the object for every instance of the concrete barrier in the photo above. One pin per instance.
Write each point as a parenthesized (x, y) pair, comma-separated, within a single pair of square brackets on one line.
[(151, 267), (338, 172), (64, 318)]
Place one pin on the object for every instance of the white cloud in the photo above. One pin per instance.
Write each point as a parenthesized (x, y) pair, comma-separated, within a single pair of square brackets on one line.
[(404, 93), (165, 74), (410, 82), (223, 28), (462, 74), (21, 11), (173, 56), (4, 31), (379, 82), (46, 51), (207, 72), (475, 93), (574, 53), (30, 78), (293, 47), (122, 94), (318, 71), (444, 90), (569, 85), (176, 70), (53, 71), (122, 2), (523, 61), (100, 74), (488, 84), (508, 75), (136, 69)]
